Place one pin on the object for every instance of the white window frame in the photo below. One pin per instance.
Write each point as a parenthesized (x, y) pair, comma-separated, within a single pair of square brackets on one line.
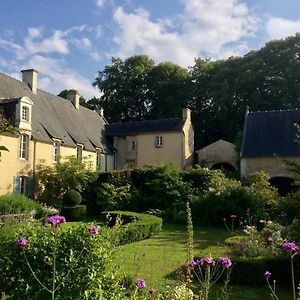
[(158, 141), (24, 146), (133, 145), (25, 113), (56, 151)]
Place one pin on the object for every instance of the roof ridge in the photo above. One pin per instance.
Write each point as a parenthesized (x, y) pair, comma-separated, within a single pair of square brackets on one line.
[(131, 122), (274, 110)]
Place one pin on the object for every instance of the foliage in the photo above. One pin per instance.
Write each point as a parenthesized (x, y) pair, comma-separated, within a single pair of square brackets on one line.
[(54, 182), (71, 198), (93, 276), (15, 204), (134, 226), (74, 213)]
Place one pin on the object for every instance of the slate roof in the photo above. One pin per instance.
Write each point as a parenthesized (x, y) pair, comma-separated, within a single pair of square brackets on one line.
[(56, 117), (140, 127), (271, 133)]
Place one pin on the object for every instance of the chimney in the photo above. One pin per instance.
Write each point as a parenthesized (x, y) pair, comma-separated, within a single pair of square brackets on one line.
[(74, 97), (30, 78), (186, 113)]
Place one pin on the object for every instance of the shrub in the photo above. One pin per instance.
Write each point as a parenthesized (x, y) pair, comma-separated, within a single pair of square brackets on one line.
[(71, 198), (134, 226), (93, 276), (16, 204), (74, 213)]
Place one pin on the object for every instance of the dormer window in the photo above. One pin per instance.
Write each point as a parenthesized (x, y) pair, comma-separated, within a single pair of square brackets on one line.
[(25, 113)]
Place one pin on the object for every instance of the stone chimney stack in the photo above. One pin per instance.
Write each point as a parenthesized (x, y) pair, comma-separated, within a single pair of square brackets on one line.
[(186, 113), (74, 97), (29, 77)]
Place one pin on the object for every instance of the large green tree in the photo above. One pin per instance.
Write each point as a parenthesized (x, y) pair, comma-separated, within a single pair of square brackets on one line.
[(124, 89)]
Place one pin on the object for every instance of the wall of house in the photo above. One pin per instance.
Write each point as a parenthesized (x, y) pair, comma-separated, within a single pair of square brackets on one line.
[(147, 153), (11, 165), (274, 166)]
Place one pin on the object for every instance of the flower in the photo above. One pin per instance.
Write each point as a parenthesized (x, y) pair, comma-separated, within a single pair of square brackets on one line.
[(226, 262), (22, 242), (232, 216), (140, 283), (206, 261), (152, 291), (192, 264), (289, 246), (54, 220), (93, 230), (267, 274)]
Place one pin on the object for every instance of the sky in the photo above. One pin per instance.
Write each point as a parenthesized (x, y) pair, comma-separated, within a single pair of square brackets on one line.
[(69, 41)]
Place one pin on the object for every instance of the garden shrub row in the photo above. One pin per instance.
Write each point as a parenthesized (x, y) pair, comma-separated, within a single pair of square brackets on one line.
[(133, 226), (166, 189)]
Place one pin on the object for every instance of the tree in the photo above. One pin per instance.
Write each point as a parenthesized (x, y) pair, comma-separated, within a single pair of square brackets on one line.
[(123, 84), (168, 90)]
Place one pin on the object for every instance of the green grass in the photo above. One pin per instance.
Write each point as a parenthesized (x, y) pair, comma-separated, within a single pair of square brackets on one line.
[(157, 259)]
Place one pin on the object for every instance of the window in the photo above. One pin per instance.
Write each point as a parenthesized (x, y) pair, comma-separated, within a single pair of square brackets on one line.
[(98, 160), (158, 141), (24, 146), (25, 113), (23, 185), (133, 145), (56, 151), (79, 152)]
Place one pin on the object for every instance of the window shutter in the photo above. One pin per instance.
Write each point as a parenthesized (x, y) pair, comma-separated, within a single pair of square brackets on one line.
[(17, 186), (30, 187)]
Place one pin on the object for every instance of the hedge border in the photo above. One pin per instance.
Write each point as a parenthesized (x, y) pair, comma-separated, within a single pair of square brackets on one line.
[(135, 226)]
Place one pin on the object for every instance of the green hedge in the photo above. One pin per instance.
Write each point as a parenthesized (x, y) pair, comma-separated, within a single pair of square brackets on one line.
[(74, 213), (251, 271), (134, 226)]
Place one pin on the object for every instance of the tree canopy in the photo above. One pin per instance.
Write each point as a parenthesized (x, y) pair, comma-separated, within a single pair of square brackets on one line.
[(218, 92)]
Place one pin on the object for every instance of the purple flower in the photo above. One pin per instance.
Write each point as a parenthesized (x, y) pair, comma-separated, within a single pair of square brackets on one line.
[(206, 261), (55, 220), (267, 274), (22, 242), (226, 262), (152, 291), (192, 264), (140, 283), (93, 230), (289, 246), (232, 216)]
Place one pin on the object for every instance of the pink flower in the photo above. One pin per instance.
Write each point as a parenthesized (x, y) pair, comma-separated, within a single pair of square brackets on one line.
[(22, 242), (206, 261), (226, 262), (93, 230), (140, 283), (55, 220), (232, 216), (192, 264), (267, 274), (289, 246)]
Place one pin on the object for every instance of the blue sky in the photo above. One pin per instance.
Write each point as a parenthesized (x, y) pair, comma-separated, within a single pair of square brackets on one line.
[(70, 41)]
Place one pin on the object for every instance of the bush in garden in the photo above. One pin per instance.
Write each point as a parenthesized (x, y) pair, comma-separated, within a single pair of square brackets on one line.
[(54, 182), (83, 266), (133, 226), (71, 198), (71, 208), (16, 204)]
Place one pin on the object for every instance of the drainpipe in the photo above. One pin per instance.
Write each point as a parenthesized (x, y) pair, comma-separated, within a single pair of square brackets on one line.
[(33, 169)]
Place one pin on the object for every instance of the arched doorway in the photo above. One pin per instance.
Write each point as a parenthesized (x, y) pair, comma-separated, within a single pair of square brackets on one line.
[(227, 168), (284, 185)]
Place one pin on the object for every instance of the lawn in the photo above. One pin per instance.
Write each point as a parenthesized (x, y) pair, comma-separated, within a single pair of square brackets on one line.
[(157, 259)]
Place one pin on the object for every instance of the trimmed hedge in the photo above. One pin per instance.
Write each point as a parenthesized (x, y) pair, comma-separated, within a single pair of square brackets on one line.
[(251, 270), (134, 226), (74, 213), (71, 198)]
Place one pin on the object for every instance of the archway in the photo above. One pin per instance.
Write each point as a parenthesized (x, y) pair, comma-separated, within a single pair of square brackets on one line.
[(227, 168), (284, 185)]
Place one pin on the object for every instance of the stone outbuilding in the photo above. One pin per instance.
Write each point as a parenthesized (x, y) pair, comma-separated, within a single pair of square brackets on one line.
[(218, 155)]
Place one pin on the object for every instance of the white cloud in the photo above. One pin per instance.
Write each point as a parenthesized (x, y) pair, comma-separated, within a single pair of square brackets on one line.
[(207, 28), (55, 43), (278, 28), (100, 3)]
